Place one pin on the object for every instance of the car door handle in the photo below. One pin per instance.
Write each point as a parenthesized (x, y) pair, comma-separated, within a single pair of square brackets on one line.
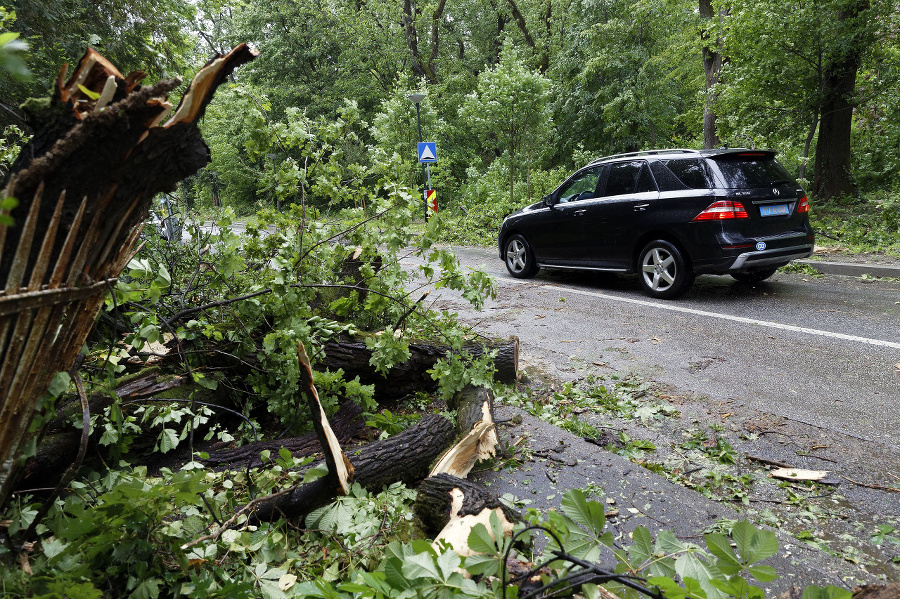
[(641, 207), (580, 212)]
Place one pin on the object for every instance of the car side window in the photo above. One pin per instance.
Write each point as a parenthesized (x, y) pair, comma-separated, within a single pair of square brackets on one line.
[(645, 181), (623, 178), (581, 187), (687, 173)]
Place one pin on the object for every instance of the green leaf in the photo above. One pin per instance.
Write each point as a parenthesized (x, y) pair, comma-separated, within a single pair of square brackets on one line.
[(753, 544), (828, 592), (59, 384), (669, 588), (763, 573), (690, 565), (420, 565), (168, 440), (52, 547), (481, 564), (448, 562), (589, 514), (720, 547), (480, 540), (642, 548)]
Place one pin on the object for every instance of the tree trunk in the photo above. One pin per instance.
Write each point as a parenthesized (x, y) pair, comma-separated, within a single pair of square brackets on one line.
[(832, 168), (434, 503), (403, 458), (712, 65), (346, 423), (84, 182), (411, 376), (832, 176)]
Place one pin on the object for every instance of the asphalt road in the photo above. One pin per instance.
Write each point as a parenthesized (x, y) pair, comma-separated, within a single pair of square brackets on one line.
[(823, 351)]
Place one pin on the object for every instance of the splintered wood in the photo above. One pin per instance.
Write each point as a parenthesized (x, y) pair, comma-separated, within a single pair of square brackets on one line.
[(84, 184), (339, 467)]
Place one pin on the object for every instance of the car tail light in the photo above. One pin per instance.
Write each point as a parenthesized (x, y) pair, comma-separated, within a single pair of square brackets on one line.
[(803, 206), (723, 210)]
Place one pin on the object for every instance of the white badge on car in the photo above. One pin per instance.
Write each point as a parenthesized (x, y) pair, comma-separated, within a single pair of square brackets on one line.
[(761, 246)]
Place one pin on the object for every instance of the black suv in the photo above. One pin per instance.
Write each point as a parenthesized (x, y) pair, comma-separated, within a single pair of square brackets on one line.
[(667, 215)]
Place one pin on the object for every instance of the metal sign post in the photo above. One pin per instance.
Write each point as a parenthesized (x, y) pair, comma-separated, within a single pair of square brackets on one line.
[(427, 152)]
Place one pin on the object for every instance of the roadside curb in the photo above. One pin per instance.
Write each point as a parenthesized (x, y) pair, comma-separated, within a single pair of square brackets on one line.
[(852, 270)]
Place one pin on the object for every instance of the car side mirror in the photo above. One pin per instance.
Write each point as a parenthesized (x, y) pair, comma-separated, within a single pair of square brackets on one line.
[(549, 201)]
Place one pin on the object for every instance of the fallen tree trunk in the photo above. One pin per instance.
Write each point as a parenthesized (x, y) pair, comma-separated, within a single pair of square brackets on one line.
[(353, 357), (346, 423), (402, 458), (435, 504), (60, 440)]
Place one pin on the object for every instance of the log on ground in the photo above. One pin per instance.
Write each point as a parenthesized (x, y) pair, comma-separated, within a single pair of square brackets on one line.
[(404, 458), (346, 423), (434, 502), (352, 356)]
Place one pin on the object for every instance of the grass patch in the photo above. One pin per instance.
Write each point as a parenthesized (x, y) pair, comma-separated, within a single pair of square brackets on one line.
[(862, 225)]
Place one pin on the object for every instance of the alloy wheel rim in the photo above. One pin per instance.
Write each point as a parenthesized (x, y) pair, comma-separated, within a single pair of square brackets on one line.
[(659, 269), (515, 255)]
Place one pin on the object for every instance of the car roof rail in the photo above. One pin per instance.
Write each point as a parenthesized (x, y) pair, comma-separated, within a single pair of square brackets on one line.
[(647, 153)]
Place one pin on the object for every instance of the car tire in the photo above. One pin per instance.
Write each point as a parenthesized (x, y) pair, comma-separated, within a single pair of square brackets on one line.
[(754, 276), (519, 258), (663, 271)]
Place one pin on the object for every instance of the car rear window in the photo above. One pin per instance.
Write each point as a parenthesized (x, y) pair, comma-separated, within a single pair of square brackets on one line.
[(748, 170)]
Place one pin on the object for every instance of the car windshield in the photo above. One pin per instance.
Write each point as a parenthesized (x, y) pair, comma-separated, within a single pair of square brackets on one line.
[(752, 170)]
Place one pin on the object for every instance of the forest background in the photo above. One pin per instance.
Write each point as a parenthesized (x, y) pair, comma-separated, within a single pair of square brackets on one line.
[(518, 92)]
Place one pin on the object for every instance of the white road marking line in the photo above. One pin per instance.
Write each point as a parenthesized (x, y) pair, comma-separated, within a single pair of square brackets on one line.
[(762, 323)]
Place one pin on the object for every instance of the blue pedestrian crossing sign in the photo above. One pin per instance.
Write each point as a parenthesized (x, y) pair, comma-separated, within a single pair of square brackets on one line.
[(427, 151)]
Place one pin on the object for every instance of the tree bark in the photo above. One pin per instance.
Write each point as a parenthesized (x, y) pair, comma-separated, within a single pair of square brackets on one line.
[(712, 65), (346, 424), (403, 458), (434, 502), (832, 176), (411, 376)]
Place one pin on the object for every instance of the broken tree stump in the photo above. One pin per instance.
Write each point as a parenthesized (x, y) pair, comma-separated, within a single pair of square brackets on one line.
[(84, 184), (352, 356), (436, 504), (475, 424)]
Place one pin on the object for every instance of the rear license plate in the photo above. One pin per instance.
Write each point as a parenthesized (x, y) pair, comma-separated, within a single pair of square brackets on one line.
[(775, 210)]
